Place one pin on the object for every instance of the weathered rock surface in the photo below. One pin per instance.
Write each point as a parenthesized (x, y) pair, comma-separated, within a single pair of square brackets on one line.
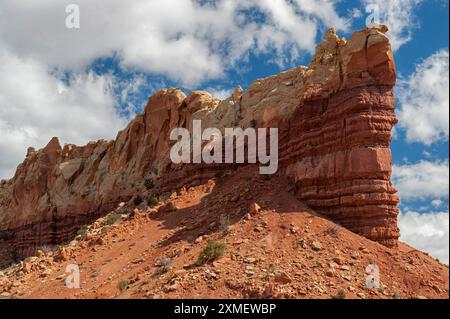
[(334, 118)]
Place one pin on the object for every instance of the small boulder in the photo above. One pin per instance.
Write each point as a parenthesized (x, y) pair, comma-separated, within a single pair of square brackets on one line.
[(316, 246), (254, 209)]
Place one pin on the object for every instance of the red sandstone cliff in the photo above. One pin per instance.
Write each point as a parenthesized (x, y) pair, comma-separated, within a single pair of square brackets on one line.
[(334, 116)]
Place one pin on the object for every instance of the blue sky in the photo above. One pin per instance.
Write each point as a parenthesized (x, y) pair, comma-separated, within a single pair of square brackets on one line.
[(84, 84)]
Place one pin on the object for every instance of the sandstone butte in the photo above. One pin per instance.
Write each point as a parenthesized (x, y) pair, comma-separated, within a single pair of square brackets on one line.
[(334, 117)]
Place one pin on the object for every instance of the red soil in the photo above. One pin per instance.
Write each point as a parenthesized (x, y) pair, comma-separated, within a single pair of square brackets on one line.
[(282, 250)]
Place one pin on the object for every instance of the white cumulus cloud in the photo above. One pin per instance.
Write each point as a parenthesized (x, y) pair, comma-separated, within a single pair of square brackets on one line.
[(425, 179), (36, 105), (427, 232), (220, 92), (424, 100), (437, 203), (399, 16), (186, 40)]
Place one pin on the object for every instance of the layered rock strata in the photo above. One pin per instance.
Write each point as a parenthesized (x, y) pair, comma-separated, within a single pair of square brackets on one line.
[(334, 117)]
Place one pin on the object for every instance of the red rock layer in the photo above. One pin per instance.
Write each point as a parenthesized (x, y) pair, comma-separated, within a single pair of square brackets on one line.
[(338, 152), (334, 117)]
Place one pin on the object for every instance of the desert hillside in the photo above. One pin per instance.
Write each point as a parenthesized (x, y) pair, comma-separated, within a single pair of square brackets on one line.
[(139, 225), (274, 247)]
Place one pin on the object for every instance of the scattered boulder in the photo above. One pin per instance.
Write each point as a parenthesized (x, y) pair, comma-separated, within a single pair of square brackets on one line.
[(254, 209), (317, 246)]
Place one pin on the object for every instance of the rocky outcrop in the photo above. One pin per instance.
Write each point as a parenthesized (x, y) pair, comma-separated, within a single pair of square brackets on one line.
[(334, 117)]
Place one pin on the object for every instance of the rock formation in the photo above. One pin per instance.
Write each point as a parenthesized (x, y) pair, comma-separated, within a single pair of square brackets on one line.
[(334, 118)]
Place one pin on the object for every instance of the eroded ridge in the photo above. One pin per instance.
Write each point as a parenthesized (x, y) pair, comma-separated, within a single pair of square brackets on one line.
[(334, 117)]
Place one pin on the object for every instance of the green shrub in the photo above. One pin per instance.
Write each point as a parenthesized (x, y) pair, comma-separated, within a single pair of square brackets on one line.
[(137, 200), (224, 222), (340, 295), (113, 218), (82, 231), (164, 265), (122, 285), (152, 201), (212, 251), (157, 169), (332, 231), (149, 183)]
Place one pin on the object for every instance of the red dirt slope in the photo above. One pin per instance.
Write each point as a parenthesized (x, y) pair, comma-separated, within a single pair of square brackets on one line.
[(277, 248)]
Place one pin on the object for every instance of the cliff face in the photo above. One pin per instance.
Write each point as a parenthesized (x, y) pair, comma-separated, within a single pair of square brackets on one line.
[(334, 118)]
